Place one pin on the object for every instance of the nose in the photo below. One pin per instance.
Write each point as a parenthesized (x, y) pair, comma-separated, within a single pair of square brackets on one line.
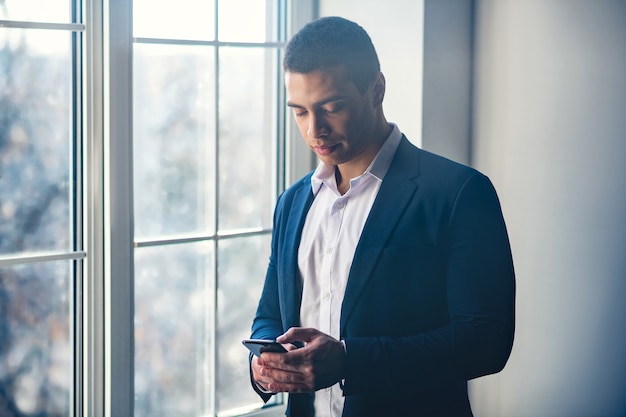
[(317, 127)]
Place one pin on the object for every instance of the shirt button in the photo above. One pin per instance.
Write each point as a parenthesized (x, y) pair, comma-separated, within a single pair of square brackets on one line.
[(341, 204), (329, 250), (326, 296)]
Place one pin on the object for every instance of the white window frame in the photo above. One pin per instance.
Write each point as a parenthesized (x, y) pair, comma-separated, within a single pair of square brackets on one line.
[(80, 253), (108, 293)]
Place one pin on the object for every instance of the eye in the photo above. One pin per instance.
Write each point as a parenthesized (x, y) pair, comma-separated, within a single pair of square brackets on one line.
[(333, 108), (300, 113)]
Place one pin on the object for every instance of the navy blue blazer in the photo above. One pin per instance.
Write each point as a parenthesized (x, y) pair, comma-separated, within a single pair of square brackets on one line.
[(430, 297)]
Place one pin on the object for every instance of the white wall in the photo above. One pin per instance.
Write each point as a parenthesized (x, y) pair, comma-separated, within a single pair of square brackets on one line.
[(395, 27), (547, 122), (447, 85), (550, 130)]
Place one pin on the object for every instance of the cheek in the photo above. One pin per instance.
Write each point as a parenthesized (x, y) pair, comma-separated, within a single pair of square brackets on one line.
[(342, 124), (353, 125)]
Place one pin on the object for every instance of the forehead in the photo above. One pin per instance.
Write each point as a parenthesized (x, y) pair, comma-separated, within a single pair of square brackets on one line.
[(315, 86)]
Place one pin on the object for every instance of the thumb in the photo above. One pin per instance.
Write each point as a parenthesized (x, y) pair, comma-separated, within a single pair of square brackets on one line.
[(297, 334)]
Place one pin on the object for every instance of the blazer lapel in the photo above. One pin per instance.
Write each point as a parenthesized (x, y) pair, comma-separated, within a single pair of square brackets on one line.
[(292, 296), (395, 192)]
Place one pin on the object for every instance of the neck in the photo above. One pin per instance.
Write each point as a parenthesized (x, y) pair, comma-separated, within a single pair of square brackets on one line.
[(380, 133), (343, 183), (352, 169)]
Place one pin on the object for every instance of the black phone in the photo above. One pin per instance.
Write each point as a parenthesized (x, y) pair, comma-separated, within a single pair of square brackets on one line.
[(258, 346)]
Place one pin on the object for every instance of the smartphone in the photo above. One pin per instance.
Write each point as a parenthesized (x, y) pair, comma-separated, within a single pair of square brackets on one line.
[(258, 346)]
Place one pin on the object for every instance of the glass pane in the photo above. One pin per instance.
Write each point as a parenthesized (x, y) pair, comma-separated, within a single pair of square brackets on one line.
[(56, 11), (36, 349), (173, 321), (247, 137), (174, 147), (247, 21), (182, 19), (35, 140), (242, 265)]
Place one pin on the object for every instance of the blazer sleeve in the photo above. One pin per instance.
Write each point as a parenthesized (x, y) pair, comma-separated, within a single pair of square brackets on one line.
[(272, 317), (279, 304), (266, 324), (476, 337)]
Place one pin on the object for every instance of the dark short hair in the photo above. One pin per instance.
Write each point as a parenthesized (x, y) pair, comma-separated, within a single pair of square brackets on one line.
[(331, 41)]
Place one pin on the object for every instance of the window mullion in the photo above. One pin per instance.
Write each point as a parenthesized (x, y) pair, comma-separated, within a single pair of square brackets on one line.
[(93, 214), (119, 277)]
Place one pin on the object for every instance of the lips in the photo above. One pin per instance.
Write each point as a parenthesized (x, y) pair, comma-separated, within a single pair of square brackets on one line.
[(325, 150)]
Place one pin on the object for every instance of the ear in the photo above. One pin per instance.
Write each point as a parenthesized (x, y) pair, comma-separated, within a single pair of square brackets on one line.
[(378, 87)]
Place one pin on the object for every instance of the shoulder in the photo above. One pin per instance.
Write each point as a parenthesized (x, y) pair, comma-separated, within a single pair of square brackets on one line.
[(429, 169), (296, 189), (296, 195)]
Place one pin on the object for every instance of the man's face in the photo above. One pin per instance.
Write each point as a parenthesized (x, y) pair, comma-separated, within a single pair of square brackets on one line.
[(334, 118)]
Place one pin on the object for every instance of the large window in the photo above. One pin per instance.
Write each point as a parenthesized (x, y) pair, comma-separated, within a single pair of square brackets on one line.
[(41, 253), (142, 147), (207, 117)]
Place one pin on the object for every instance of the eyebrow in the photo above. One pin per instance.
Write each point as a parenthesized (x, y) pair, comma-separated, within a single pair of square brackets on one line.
[(319, 103)]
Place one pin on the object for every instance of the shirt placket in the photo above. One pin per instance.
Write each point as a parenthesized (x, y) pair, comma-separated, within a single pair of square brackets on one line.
[(331, 252)]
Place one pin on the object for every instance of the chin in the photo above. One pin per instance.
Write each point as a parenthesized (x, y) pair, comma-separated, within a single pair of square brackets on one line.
[(328, 160)]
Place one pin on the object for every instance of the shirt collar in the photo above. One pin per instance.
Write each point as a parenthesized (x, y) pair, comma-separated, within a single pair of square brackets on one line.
[(377, 168)]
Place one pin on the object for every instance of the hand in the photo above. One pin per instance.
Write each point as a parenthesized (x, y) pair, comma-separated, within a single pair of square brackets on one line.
[(319, 364), (256, 370)]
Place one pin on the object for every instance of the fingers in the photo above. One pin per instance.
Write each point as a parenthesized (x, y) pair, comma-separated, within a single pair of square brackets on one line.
[(289, 347), (276, 379), (257, 374), (280, 380), (287, 387), (290, 361)]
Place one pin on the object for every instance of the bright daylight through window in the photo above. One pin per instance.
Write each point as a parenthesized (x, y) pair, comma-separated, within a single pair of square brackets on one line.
[(208, 141), (40, 201)]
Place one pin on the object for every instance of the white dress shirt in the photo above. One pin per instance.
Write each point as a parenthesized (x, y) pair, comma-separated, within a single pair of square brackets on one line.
[(331, 233)]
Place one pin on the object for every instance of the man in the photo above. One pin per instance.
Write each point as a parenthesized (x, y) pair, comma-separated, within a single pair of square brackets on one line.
[(390, 280)]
